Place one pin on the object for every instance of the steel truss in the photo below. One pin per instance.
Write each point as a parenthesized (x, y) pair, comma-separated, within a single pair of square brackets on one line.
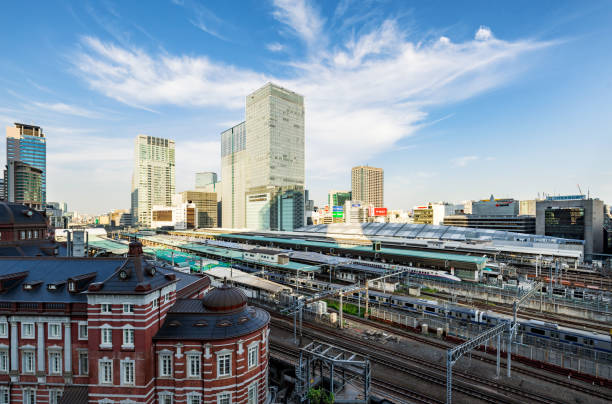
[(337, 361)]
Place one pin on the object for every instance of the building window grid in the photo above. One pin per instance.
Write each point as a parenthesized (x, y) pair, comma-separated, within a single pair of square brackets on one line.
[(4, 361), (29, 396), (55, 362), (27, 330), (106, 371), (107, 336), (128, 369), (252, 355), (106, 308), (5, 396), (193, 365), (55, 331), (3, 329), (28, 364), (194, 398), (224, 365), (252, 394), (54, 396), (224, 398), (128, 337), (165, 365), (128, 308)]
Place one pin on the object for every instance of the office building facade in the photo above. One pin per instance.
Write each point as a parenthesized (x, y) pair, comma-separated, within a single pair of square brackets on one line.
[(205, 178), (367, 185), (153, 181), (262, 162), (28, 144), (206, 202), (516, 224), (337, 198), (233, 173), (496, 207), (579, 218), (24, 184)]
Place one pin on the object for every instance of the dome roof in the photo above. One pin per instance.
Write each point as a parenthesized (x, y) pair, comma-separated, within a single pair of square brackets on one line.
[(224, 298)]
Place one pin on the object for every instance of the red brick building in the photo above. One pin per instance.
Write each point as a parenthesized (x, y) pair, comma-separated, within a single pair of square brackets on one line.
[(117, 330)]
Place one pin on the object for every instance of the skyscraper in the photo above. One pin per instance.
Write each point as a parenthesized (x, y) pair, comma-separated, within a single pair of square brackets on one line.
[(24, 184), (275, 149), (28, 144), (337, 198), (367, 185), (153, 181), (233, 174), (205, 178)]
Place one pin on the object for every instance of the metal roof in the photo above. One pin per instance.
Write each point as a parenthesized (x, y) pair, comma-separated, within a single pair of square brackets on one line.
[(243, 278)]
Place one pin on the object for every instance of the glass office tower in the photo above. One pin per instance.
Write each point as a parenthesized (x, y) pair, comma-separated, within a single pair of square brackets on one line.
[(28, 144)]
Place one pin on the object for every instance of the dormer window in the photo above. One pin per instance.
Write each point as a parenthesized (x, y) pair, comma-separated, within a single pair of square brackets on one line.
[(55, 286), (72, 286), (31, 285)]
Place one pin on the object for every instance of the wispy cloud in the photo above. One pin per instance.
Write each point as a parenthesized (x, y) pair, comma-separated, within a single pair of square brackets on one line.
[(362, 96), (463, 161), (67, 109), (302, 19), (204, 19), (275, 47)]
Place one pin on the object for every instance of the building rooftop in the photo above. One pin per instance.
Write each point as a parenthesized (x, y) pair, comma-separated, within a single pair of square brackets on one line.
[(222, 313)]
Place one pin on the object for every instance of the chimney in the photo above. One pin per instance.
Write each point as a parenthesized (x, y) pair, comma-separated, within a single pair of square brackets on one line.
[(135, 249)]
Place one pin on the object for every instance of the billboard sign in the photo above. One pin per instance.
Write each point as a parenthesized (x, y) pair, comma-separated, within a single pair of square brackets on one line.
[(338, 214), (378, 211), (356, 205), (338, 208)]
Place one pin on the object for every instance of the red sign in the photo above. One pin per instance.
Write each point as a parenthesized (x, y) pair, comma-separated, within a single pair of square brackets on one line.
[(378, 211), (327, 209)]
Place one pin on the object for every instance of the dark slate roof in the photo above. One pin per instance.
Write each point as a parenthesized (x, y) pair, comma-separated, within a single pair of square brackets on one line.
[(75, 395), (59, 269), (13, 213), (189, 320)]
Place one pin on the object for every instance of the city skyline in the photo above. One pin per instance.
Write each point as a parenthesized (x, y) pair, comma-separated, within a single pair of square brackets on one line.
[(453, 105)]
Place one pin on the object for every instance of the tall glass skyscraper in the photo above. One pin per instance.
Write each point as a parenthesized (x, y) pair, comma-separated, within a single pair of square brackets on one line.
[(153, 182), (28, 144)]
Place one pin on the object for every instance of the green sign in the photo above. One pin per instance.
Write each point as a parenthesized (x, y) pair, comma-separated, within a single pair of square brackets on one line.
[(338, 214)]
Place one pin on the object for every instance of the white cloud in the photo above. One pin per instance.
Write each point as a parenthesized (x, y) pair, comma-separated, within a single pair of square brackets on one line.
[(301, 18), (361, 97), (275, 47), (483, 34), (463, 161), (67, 109)]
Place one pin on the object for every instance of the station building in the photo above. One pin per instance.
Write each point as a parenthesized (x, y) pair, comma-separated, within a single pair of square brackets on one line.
[(124, 330)]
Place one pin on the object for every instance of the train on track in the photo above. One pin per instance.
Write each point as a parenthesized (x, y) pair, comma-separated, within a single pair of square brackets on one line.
[(538, 329)]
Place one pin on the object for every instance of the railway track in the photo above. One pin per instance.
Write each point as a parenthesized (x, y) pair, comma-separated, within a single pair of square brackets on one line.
[(481, 388), (379, 386), (483, 357)]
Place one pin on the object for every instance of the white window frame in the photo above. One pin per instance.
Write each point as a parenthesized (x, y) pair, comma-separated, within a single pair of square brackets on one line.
[(221, 355), (194, 398), (128, 336), (106, 336), (55, 396), (3, 329), (101, 375), (57, 355), (166, 395), (58, 327), (224, 395), (156, 303), (252, 389), (4, 361), (253, 348), (5, 395), (162, 356), (28, 335), (86, 370), (125, 379), (26, 397), (128, 308), (81, 336), (104, 306), (194, 360), (24, 361)]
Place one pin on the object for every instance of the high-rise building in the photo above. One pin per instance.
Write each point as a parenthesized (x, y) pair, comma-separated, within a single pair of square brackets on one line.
[(275, 137), (205, 178), (233, 173), (367, 185), (337, 198), (24, 184), (153, 181), (2, 197), (262, 163), (27, 143)]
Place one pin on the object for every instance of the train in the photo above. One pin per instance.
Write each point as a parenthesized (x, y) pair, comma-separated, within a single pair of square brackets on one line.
[(535, 328), (420, 272)]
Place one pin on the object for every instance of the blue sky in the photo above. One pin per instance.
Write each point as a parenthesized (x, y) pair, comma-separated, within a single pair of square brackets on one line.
[(455, 100)]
